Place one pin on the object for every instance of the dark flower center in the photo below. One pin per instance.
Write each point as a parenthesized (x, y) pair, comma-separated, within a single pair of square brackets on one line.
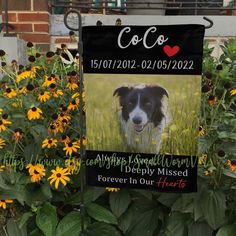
[(36, 172), (1, 122), (52, 86), (70, 144), (233, 162), (34, 109), (73, 102), (4, 116), (29, 45), (8, 90), (2, 53), (52, 127), (29, 87), (42, 93), (54, 116), (58, 175), (50, 141), (221, 153), (64, 121)]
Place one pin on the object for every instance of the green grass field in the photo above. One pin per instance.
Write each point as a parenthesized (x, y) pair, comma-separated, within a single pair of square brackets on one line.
[(103, 131)]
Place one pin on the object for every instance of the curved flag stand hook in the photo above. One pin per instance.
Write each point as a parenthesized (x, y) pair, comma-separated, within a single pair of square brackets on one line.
[(210, 21), (81, 122)]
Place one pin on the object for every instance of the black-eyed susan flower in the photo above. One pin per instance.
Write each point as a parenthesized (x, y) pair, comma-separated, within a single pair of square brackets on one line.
[(212, 100), (10, 93), (112, 189), (71, 147), (3, 203), (75, 95), (44, 96), (72, 85), (59, 175), (49, 143), (202, 159), (63, 116), (74, 104), (5, 119), (2, 143), (17, 135), (22, 90), (231, 164), (56, 93), (233, 92), (65, 139), (48, 81), (201, 131), (34, 113), (2, 53), (37, 172), (72, 164), (23, 75), (3, 125)]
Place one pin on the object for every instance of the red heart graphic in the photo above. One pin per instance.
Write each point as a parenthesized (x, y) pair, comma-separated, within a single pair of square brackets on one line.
[(169, 51)]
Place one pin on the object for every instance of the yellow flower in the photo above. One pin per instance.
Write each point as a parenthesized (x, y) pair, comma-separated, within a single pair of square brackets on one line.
[(2, 168), (71, 147), (72, 86), (44, 96), (17, 135), (201, 131), (75, 95), (49, 143), (59, 175), (48, 81), (23, 75), (72, 164), (233, 92), (57, 93), (34, 113), (36, 172), (65, 139), (23, 90), (231, 164), (3, 203), (74, 104), (202, 159), (112, 189), (3, 124), (1, 111), (10, 93), (2, 143)]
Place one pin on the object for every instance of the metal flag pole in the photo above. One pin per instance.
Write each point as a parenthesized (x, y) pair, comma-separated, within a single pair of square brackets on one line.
[(81, 120)]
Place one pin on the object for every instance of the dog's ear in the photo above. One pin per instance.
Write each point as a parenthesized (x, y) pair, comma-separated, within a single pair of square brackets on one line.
[(158, 90), (122, 91)]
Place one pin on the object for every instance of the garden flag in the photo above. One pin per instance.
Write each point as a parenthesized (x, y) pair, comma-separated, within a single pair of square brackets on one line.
[(142, 86)]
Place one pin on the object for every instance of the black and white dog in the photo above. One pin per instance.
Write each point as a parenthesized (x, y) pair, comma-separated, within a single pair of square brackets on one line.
[(143, 115)]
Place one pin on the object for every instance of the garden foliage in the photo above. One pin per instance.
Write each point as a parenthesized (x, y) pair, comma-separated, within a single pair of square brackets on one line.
[(39, 146)]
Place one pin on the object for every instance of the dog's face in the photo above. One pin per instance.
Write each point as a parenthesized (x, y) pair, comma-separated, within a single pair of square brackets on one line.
[(141, 104)]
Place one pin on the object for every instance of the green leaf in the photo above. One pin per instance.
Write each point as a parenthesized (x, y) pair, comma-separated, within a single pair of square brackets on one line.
[(119, 202), (69, 225), (102, 229), (227, 230), (168, 199), (90, 195), (126, 219), (24, 218), (176, 224), (146, 217), (184, 204), (199, 228), (100, 213), (213, 207), (14, 230), (46, 219)]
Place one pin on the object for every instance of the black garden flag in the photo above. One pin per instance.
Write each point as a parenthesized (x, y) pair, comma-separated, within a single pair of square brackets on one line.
[(142, 86)]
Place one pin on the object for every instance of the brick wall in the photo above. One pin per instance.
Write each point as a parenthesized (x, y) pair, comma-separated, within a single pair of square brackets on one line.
[(30, 19)]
